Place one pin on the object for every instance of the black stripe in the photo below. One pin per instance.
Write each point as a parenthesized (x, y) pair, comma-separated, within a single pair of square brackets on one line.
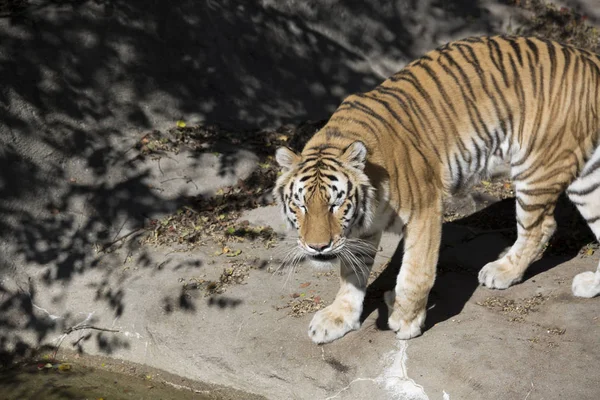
[(347, 209), (565, 70), (414, 81), (552, 55), (474, 39), (336, 118), (517, 49), (466, 82), (399, 120), (459, 178), (369, 111), (440, 87), (584, 192), (540, 192), (592, 219), (500, 64), (533, 76), (332, 133), (386, 105), (531, 207), (591, 169), (493, 53), (321, 147), (412, 106), (534, 224), (521, 94), (567, 54), (473, 60), (507, 107), (534, 49)]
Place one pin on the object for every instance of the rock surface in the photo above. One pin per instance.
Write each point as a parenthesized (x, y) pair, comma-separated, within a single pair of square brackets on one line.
[(81, 83)]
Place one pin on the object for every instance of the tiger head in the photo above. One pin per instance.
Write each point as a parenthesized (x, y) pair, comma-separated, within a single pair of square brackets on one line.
[(325, 195)]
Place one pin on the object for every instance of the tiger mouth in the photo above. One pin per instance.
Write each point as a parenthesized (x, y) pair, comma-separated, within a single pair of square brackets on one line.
[(323, 257)]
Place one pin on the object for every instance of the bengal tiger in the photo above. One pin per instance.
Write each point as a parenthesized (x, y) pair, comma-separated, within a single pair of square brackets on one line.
[(387, 158)]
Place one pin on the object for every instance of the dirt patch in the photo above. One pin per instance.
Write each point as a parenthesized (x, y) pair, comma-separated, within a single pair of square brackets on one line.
[(214, 219), (499, 188), (556, 331), (515, 308), (235, 273), (300, 304)]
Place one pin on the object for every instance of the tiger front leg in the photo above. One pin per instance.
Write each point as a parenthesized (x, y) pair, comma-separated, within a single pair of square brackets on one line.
[(407, 303), (343, 315)]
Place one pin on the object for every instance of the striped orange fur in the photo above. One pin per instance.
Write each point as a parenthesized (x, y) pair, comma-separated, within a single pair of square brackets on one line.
[(388, 157)]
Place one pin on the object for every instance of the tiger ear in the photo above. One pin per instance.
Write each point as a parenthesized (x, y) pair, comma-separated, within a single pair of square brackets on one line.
[(286, 158), (356, 154)]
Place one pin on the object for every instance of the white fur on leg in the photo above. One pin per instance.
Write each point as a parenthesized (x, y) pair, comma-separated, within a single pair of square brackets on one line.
[(339, 318), (404, 329), (499, 274), (332, 323), (586, 284)]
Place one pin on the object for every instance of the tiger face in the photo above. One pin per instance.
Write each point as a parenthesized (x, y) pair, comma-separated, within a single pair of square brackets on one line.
[(326, 196)]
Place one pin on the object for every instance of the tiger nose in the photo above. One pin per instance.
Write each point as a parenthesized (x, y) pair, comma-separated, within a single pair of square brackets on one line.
[(319, 246)]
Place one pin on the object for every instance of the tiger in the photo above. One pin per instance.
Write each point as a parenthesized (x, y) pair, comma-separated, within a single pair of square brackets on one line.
[(387, 158)]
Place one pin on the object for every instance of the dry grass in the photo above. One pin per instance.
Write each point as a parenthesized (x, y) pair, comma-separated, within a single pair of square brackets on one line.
[(302, 305), (518, 307)]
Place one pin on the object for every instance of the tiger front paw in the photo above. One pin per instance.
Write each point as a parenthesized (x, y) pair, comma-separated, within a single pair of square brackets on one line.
[(332, 323), (500, 274), (405, 328)]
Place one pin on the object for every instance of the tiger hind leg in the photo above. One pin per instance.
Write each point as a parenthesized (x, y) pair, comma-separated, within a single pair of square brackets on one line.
[(585, 193), (535, 225)]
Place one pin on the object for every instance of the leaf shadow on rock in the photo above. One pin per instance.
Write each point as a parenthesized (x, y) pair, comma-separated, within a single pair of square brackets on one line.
[(82, 80)]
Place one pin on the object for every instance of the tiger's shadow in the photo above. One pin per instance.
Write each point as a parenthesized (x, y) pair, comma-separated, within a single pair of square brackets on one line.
[(467, 245)]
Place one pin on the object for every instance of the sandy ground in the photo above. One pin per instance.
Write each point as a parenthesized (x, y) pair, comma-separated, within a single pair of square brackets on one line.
[(81, 84)]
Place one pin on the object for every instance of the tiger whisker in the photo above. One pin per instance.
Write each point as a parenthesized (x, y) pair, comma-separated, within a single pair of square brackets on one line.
[(362, 252), (288, 259), (360, 270), (361, 244), (361, 260), (292, 270), (345, 259)]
